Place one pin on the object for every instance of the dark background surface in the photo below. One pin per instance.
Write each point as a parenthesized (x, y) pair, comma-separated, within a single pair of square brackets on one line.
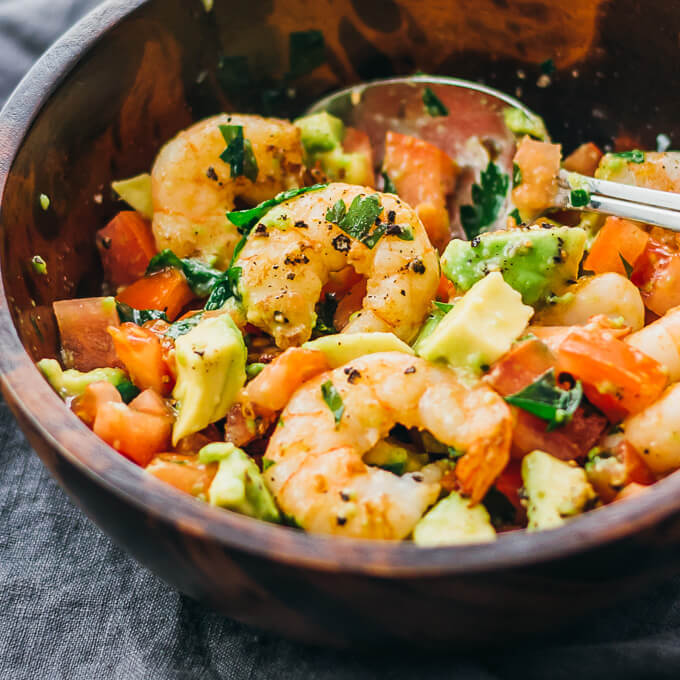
[(73, 605)]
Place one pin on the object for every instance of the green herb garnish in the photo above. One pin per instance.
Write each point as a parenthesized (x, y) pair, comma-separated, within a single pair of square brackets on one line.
[(634, 156), (325, 311), (488, 199), (628, 267), (127, 391), (516, 175), (245, 220), (359, 218), (445, 307), (579, 197), (200, 277), (333, 400), (129, 314), (545, 399), (254, 369), (388, 185), (433, 104), (39, 265), (267, 463), (516, 216), (183, 326), (239, 152)]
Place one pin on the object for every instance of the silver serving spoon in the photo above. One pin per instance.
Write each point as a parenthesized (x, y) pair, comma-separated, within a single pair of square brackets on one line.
[(469, 122)]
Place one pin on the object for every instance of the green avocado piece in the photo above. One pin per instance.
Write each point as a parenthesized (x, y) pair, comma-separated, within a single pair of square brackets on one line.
[(556, 490), (353, 168), (238, 484), (536, 262), (479, 329), (71, 383), (320, 132), (211, 369), (344, 347), (136, 192), (453, 522), (396, 457), (521, 123)]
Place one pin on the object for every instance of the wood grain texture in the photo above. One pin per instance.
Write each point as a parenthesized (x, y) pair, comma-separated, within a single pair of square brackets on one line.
[(98, 107)]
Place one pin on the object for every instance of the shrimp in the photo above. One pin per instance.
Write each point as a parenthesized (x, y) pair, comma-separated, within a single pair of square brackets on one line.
[(192, 188), (661, 341), (291, 253), (314, 458), (650, 169)]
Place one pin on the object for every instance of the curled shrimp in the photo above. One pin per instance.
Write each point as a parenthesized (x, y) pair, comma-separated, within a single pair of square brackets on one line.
[(192, 187), (294, 249), (315, 467)]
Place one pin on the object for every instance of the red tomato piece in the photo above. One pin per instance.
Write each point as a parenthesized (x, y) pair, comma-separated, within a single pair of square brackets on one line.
[(584, 159), (185, 473), (657, 275), (97, 393), (166, 290), (126, 244), (617, 239), (509, 483)]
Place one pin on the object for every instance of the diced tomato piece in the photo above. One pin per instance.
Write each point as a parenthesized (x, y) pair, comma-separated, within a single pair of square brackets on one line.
[(97, 393), (142, 354), (126, 245), (540, 165), (509, 483), (617, 239), (166, 290), (341, 281), (657, 275), (357, 141), (185, 473), (274, 386), (636, 469), (584, 159), (149, 401), (349, 304), (617, 378), (446, 289), (138, 435), (424, 176), (523, 364), (83, 325)]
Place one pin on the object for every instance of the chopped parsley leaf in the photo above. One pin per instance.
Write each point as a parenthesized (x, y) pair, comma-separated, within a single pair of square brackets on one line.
[(545, 399), (389, 186), (516, 175), (183, 326), (628, 267), (127, 391), (139, 316), (239, 152), (579, 197), (359, 218), (433, 104), (516, 216), (634, 156), (487, 198), (200, 276), (333, 400)]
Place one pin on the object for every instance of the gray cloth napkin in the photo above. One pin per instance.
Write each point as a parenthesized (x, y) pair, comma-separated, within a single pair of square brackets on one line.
[(75, 606)]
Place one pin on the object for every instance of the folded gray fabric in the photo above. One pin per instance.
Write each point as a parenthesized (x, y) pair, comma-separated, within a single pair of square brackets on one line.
[(75, 606)]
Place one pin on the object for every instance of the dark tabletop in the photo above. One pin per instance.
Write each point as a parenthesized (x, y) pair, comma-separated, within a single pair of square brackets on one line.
[(73, 605)]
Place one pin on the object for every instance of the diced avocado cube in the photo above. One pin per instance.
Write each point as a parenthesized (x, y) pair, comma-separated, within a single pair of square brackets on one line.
[(394, 456), (453, 522), (480, 328), (320, 132), (536, 262), (342, 348), (353, 168), (136, 192), (211, 369), (238, 484), (556, 490), (71, 383), (522, 123)]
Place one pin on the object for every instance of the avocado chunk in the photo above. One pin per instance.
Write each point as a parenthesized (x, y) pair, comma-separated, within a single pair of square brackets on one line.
[(522, 123), (556, 490), (479, 329), (536, 262), (238, 484), (453, 522), (71, 383), (390, 454), (344, 347), (136, 192), (320, 132), (322, 137), (211, 369)]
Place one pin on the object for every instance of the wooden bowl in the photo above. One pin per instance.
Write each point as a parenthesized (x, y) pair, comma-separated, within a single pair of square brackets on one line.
[(99, 105)]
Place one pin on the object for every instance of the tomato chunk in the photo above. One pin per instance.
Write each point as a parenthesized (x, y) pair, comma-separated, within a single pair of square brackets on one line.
[(142, 354), (185, 473), (97, 393), (275, 385), (83, 325), (166, 290), (349, 304), (424, 176), (617, 378), (657, 275), (584, 159), (509, 483), (126, 244), (617, 239)]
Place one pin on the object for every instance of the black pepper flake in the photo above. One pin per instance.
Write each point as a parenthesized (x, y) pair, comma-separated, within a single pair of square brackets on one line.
[(341, 520), (296, 259), (475, 241), (341, 243), (391, 216), (410, 370), (261, 230), (290, 276), (378, 221), (345, 496), (199, 352), (417, 477), (301, 224), (211, 174), (352, 375), (403, 292), (417, 266)]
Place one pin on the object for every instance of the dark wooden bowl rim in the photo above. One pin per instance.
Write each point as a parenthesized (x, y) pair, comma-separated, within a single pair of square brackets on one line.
[(165, 504)]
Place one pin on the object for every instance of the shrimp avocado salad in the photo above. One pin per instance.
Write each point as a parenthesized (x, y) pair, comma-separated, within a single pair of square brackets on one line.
[(314, 326)]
